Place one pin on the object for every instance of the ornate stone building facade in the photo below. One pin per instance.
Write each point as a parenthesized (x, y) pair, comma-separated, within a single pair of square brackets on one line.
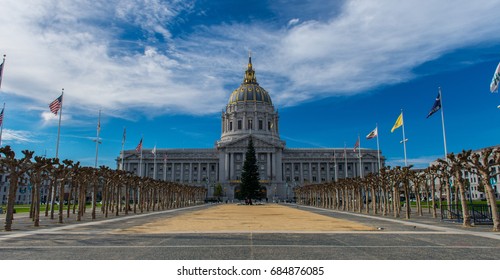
[(250, 113)]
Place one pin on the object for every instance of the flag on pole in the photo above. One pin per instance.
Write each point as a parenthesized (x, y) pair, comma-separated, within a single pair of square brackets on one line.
[(56, 105), (436, 106), (495, 80), (1, 70), (139, 147), (165, 157), (372, 134), (356, 145), (154, 150), (398, 123)]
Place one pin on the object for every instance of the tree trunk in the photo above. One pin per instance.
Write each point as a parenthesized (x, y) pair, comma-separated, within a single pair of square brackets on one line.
[(490, 195), (68, 210), (53, 199), (36, 217), (14, 178), (61, 201), (47, 205), (463, 199), (433, 191), (32, 209)]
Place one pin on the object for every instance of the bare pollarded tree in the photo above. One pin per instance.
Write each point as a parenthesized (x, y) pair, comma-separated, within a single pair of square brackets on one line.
[(455, 165), (16, 168), (432, 175), (38, 173), (485, 163), (418, 179)]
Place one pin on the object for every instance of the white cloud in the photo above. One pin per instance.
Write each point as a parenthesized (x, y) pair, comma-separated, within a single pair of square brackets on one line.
[(293, 22), (18, 136), (418, 162), (87, 48)]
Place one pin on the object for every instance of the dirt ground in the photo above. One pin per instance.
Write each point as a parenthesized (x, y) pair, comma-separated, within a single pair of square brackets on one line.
[(248, 218)]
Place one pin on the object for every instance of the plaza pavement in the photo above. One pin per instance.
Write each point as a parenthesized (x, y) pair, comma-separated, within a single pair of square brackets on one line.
[(244, 232)]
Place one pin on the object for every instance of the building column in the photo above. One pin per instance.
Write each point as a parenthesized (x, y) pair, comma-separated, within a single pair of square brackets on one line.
[(310, 171), (199, 172), (231, 166), (190, 172), (301, 179), (268, 169), (328, 178), (182, 172), (226, 166)]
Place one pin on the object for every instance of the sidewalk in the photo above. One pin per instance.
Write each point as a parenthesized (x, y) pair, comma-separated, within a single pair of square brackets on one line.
[(242, 218)]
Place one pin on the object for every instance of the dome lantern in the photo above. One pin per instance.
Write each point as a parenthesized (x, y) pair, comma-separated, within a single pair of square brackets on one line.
[(249, 90)]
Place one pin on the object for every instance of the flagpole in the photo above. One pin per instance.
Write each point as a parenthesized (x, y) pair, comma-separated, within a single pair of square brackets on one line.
[(1, 70), (345, 160), (59, 126), (97, 142), (140, 160), (442, 124), (122, 152), (1, 127), (335, 164), (359, 156), (165, 167), (378, 149), (404, 138), (154, 163)]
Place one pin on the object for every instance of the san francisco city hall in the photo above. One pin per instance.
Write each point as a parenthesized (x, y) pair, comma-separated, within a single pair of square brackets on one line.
[(250, 113)]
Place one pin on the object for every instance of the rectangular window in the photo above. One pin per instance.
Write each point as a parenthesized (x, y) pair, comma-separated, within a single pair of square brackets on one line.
[(239, 124), (261, 125), (213, 167), (230, 126), (269, 126), (250, 124)]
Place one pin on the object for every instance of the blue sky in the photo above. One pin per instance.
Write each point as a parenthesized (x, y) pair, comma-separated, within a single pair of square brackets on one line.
[(165, 70)]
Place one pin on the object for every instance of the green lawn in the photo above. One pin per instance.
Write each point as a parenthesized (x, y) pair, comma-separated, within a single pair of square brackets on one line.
[(474, 202), (25, 208)]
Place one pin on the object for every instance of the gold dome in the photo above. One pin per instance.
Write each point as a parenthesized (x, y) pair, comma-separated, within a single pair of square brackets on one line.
[(249, 90)]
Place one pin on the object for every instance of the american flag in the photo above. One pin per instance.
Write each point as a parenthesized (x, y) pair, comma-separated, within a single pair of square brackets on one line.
[(139, 147), (356, 145), (56, 105), (1, 117)]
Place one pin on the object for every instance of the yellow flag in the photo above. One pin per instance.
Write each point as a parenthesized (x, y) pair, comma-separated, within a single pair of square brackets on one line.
[(399, 122)]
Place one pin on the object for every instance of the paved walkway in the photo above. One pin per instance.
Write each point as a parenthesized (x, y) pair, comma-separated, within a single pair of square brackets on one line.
[(213, 234)]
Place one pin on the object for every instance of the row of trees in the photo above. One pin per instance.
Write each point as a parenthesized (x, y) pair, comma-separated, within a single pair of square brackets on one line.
[(74, 185), (381, 193)]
